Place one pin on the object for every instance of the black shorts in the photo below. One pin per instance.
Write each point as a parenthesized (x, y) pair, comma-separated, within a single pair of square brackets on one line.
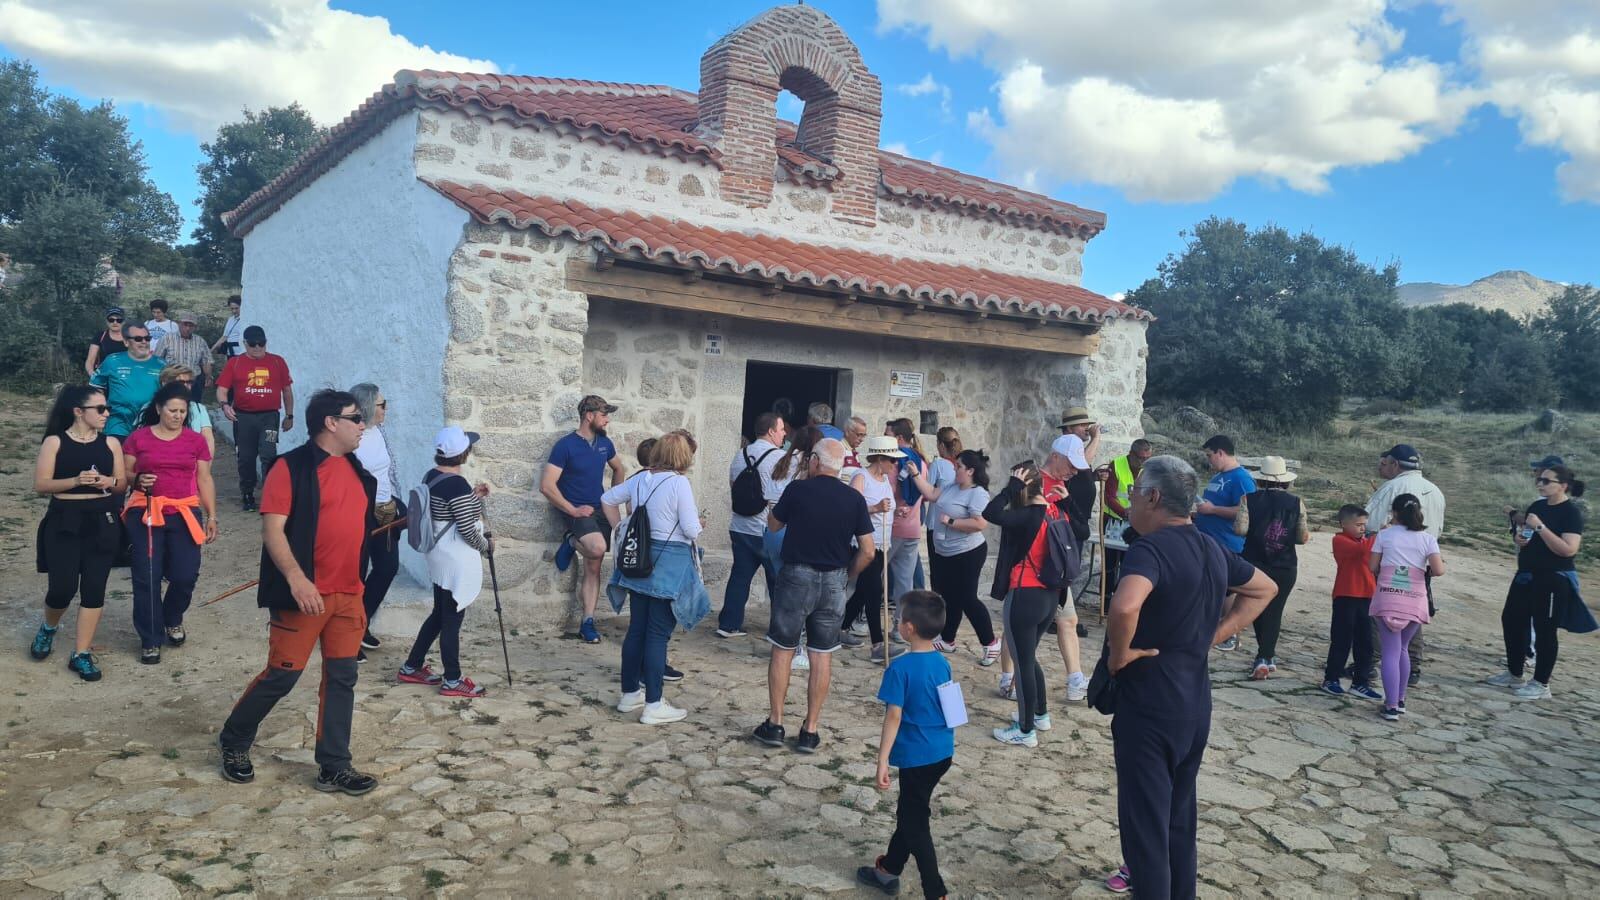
[(581, 526)]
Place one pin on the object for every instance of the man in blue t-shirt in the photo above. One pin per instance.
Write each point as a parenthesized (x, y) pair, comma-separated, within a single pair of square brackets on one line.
[(574, 479), (1224, 497), (130, 379)]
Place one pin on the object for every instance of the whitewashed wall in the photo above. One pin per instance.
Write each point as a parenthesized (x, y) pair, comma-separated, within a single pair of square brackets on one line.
[(349, 281)]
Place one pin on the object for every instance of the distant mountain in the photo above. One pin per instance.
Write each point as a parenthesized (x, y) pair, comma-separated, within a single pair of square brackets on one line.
[(1518, 293)]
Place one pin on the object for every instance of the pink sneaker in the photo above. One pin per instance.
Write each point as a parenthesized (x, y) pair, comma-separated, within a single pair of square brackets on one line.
[(424, 675), (1120, 881), (466, 687)]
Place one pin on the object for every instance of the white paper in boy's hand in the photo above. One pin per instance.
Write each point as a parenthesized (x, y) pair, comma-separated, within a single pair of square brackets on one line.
[(953, 703)]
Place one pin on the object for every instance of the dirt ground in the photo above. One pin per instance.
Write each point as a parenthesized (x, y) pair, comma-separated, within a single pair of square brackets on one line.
[(543, 789)]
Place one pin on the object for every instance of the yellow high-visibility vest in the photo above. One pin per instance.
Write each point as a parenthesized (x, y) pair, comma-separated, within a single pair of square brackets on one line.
[(1124, 484)]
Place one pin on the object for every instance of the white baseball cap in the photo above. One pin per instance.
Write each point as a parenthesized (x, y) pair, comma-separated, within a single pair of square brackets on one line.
[(452, 441), (1071, 446)]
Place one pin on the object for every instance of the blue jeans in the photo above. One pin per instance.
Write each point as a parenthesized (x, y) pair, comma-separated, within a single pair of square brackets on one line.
[(904, 562), (644, 650), (176, 560), (749, 554)]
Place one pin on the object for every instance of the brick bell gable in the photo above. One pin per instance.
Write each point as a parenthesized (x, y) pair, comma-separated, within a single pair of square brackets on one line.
[(802, 50)]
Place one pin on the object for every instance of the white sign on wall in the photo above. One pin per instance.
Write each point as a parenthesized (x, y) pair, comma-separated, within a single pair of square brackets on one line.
[(905, 384), (713, 344)]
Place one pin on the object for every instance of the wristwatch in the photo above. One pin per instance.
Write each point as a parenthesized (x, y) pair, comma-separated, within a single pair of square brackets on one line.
[(1539, 529)]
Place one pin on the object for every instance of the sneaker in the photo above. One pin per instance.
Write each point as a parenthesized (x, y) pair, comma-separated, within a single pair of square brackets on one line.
[(84, 665), (150, 655), (631, 702), (1533, 690), (1390, 714), (769, 734), (236, 765), (424, 675), (1415, 678), (671, 674), (731, 633), (361, 657), (347, 780), (1008, 690), (369, 641), (800, 663), (565, 552), (878, 651), (860, 628), (466, 687), (1401, 707), (1229, 644), (1260, 671), (176, 636), (1272, 664), (875, 876), (943, 646), (1040, 722), (1334, 688), (1364, 691), (894, 633), (248, 501), (848, 639), (1016, 737), (991, 654), (1505, 680), (807, 741), (662, 713), (1077, 691), (589, 633), (1120, 881), (44, 642)]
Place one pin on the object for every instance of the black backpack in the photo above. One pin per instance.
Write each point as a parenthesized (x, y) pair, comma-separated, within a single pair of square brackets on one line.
[(634, 557), (748, 496), (1063, 558)]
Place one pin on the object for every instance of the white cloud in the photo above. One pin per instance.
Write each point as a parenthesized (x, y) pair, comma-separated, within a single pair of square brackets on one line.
[(928, 86), (1540, 64), (201, 61), (1176, 99)]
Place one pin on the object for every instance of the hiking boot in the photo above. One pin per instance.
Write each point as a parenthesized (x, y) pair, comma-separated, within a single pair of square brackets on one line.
[(466, 687), (176, 636), (1364, 691), (1505, 680), (589, 633), (1334, 688), (1016, 737), (1229, 644), (150, 655), (369, 641), (84, 664), (807, 741), (731, 632), (770, 734), (662, 713), (631, 702), (991, 654), (671, 674), (236, 765), (875, 876), (1533, 690), (44, 641), (1120, 882), (347, 780), (248, 501), (424, 675), (564, 553)]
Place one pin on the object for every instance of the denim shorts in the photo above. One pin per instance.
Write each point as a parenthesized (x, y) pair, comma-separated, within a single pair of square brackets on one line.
[(809, 599)]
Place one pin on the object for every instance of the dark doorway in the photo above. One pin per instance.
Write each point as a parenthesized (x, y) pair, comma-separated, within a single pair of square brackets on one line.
[(766, 384)]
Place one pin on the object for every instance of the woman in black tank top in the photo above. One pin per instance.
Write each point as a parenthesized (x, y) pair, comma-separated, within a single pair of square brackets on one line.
[(80, 469)]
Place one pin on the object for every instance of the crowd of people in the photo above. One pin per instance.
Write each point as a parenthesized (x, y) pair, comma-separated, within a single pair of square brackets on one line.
[(839, 521)]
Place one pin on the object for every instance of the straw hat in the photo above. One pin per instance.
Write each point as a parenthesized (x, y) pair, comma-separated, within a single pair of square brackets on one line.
[(1075, 415), (1275, 470), (880, 445)]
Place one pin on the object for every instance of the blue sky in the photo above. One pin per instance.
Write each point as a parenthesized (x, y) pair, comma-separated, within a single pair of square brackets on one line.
[(1461, 206)]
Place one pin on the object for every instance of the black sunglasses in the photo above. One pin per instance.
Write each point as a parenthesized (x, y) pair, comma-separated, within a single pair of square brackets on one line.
[(102, 409), (137, 340), (1544, 481), (357, 418), (255, 343), (114, 320), (383, 404)]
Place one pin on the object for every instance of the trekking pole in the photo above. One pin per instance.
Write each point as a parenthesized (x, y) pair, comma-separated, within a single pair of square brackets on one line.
[(494, 582), (397, 523), (1100, 522), (153, 596), (888, 642)]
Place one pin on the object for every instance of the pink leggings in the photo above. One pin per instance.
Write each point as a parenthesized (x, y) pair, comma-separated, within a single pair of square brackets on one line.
[(1396, 661)]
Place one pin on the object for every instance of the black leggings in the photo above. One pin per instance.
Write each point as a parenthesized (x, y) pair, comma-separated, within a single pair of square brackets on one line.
[(912, 835), (955, 578), (1029, 612), (443, 625), (1270, 623), (1537, 602), (78, 540), (868, 596)]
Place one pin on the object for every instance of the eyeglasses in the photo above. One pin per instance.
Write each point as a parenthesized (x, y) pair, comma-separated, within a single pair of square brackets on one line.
[(1544, 481), (357, 418), (102, 409), (114, 320), (383, 404), (137, 340)]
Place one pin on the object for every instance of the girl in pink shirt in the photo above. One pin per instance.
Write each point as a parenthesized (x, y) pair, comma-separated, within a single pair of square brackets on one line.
[(1403, 557)]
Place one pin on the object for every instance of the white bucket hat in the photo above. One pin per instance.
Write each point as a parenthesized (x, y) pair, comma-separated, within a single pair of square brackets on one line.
[(881, 445)]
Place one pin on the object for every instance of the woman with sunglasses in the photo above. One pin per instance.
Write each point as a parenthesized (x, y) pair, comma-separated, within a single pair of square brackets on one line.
[(383, 550), (1544, 592), (80, 469), (109, 342), (170, 468)]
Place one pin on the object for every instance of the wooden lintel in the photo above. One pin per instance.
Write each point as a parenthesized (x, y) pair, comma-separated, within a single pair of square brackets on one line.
[(690, 276), (850, 313), (771, 288), (912, 309)]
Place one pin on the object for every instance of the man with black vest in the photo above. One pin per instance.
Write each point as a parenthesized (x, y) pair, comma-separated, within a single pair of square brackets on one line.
[(316, 512)]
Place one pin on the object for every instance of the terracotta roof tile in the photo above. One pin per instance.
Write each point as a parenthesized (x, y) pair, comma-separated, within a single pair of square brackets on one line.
[(647, 116), (833, 268)]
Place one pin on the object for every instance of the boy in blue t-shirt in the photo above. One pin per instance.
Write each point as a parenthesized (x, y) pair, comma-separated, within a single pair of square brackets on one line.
[(916, 741)]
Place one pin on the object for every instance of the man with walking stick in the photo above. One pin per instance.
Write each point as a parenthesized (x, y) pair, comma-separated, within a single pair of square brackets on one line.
[(822, 514), (316, 511)]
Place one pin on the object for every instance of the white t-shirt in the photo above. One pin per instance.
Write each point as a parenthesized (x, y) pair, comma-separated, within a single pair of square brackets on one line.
[(373, 452), (1071, 446), (874, 492), (670, 501), (756, 524), (159, 330), (1398, 545), (957, 504)]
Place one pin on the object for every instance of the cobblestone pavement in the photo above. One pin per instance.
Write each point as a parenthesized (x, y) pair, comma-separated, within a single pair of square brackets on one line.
[(542, 789)]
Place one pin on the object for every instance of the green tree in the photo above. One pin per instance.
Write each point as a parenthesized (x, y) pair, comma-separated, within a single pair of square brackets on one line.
[(243, 157), (23, 121), (65, 234), (1278, 326), (1511, 374), (1569, 330)]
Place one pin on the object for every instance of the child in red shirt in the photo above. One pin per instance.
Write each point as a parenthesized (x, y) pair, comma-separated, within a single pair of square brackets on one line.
[(1353, 585)]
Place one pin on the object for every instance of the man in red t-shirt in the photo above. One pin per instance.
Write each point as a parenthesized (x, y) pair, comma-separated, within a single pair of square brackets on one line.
[(315, 516), (252, 388)]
